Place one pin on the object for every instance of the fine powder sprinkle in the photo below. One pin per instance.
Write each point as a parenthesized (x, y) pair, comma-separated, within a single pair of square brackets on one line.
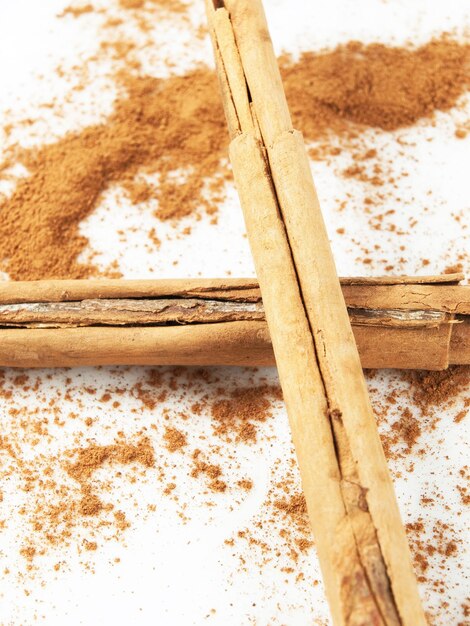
[(174, 129), (75, 494)]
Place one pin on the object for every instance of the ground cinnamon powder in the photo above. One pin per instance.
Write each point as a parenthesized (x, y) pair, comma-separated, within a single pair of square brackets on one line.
[(156, 127), (92, 457), (427, 395), (173, 5), (174, 129), (238, 414), (375, 85), (75, 498)]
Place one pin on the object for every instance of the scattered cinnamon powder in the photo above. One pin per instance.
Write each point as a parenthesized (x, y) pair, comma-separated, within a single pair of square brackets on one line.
[(246, 484), (239, 413), (427, 394), (79, 508), (77, 11), (90, 504), (174, 128), (295, 508), (213, 472), (406, 429), (91, 458), (439, 543), (90, 545), (28, 552), (171, 5)]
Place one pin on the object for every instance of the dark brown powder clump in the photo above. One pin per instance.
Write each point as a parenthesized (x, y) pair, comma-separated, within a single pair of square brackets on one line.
[(407, 428), (90, 504), (210, 470), (295, 508)]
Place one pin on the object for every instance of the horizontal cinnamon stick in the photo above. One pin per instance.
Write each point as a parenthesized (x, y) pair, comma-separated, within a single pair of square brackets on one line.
[(402, 322)]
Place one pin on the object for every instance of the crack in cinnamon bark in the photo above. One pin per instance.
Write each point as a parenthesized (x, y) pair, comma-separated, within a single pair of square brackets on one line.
[(369, 581), (364, 530), (183, 310)]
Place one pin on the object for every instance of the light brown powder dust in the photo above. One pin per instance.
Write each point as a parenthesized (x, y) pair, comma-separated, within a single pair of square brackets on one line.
[(175, 128)]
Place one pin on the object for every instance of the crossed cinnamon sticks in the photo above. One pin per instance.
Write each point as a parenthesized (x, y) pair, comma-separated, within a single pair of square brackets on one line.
[(407, 323), (359, 536)]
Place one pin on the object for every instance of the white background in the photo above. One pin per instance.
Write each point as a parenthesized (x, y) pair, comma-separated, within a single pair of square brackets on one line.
[(172, 572)]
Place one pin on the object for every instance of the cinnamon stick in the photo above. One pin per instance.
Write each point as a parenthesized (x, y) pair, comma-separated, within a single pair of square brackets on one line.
[(401, 322), (359, 535)]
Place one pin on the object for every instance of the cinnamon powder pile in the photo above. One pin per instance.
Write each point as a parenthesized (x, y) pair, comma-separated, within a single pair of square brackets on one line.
[(155, 128), (375, 85), (174, 129)]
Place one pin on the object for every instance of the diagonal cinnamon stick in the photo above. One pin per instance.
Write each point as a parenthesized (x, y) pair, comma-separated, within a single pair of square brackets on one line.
[(360, 538), (399, 322)]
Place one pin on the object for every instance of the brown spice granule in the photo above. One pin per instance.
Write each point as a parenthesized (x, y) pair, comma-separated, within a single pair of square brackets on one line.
[(212, 471), (407, 428), (91, 546), (295, 507), (439, 388), (245, 484), (76, 11), (173, 5), (90, 504), (460, 416), (464, 489), (175, 439), (455, 268), (169, 488), (93, 457), (239, 413), (304, 544), (121, 520), (28, 552)]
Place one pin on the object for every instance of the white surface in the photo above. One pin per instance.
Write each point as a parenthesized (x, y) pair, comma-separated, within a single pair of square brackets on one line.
[(173, 572)]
